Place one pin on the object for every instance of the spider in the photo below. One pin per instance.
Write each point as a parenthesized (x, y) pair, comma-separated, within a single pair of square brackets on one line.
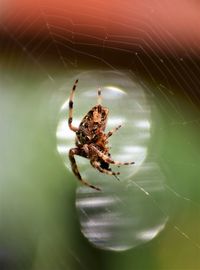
[(91, 140)]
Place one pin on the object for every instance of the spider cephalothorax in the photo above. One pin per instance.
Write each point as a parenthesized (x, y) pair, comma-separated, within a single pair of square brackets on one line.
[(91, 140)]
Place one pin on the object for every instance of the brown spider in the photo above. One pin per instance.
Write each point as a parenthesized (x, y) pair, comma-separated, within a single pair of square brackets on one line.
[(91, 140)]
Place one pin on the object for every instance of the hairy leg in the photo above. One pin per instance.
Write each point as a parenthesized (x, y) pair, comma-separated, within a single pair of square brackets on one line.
[(97, 166), (107, 159), (71, 103), (110, 133), (99, 99), (72, 153)]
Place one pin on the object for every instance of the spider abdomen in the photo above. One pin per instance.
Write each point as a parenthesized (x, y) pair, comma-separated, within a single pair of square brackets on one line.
[(92, 125)]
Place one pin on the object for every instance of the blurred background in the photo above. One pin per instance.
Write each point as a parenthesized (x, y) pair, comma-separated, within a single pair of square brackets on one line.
[(144, 55)]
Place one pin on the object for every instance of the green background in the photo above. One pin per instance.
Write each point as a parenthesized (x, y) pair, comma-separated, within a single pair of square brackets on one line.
[(39, 228)]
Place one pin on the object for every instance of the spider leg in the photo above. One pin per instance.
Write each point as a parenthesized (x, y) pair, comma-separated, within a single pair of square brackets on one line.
[(110, 133), (71, 103), (97, 166), (107, 159), (99, 97), (72, 153)]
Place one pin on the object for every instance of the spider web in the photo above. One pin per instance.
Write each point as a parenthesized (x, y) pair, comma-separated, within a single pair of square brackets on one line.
[(56, 41)]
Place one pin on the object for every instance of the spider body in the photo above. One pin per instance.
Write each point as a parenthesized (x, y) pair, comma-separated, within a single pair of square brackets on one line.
[(92, 126), (91, 139)]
